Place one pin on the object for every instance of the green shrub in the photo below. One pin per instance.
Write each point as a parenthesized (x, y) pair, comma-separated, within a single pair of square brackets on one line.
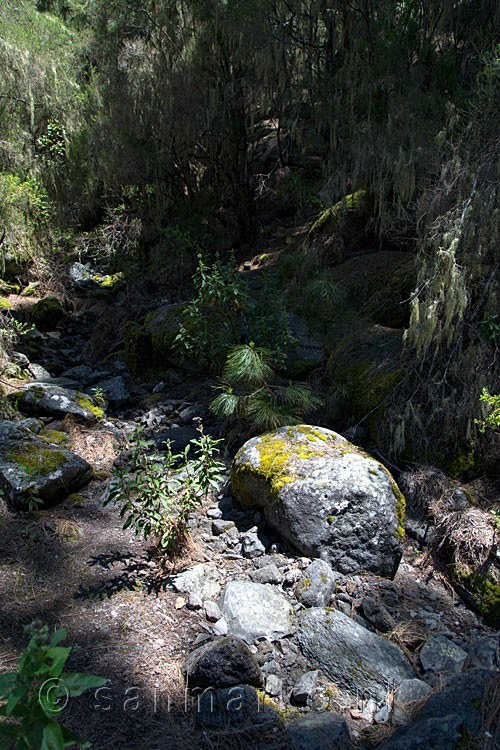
[(492, 420), (157, 495), (38, 692)]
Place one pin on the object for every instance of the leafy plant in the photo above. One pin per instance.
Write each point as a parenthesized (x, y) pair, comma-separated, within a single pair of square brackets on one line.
[(492, 420), (250, 391), (38, 692), (158, 492), (223, 314), (212, 320)]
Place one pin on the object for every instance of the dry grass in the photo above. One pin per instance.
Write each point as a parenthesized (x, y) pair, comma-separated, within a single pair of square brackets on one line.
[(469, 535)]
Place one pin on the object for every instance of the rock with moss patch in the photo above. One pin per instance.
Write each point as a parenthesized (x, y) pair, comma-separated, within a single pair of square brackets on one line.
[(34, 466), (316, 586), (350, 655), (53, 401), (46, 313), (325, 496)]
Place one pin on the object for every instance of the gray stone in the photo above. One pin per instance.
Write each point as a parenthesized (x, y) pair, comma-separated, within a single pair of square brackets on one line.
[(212, 611), (323, 495), (189, 413), (484, 652), (82, 373), (254, 544), (304, 687), (464, 696), (274, 685), (235, 707), (220, 627), (253, 610), (441, 658), (317, 584), (38, 373), (214, 512), (54, 401), (352, 656), (201, 580), (377, 615), (194, 602), (438, 734), (220, 526), (114, 390), (223, 662), (266, 574), (318, 731), (33, 467), (407, 698)]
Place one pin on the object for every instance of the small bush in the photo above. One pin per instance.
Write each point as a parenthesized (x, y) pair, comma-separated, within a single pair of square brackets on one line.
[(157, 493)]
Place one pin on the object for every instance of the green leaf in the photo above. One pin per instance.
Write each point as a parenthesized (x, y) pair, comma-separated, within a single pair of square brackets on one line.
[(19, 692), (52, 737), (76, 683), (59, 656), (57, 637), (7, 682)]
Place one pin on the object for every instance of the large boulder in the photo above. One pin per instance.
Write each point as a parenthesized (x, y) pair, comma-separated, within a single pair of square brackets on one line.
[(325, 496), (37, 466), (44, 399), (352, 656)]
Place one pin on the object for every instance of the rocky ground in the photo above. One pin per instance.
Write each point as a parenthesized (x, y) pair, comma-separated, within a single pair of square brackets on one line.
[(325, 660)]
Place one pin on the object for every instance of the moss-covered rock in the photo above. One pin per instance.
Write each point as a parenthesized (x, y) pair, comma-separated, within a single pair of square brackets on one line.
[(32, 467), (46, 313), (480, 590), (42, 399), (325, 496), (5, 304), (7, 288)]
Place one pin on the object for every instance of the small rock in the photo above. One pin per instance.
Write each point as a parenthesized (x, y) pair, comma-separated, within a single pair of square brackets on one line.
[(214, 512), (274, 685), (254, 545), (220, 627), (212, 611), (316, 586), (220, 526), (318, 731), (267, 574), (223, 662), (233, 707), (377, 615), (201, 580), (407, 698), (194, 602), (256, 611), (304, 687), (440, 657)]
